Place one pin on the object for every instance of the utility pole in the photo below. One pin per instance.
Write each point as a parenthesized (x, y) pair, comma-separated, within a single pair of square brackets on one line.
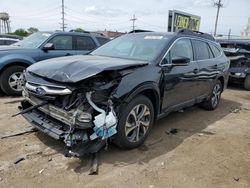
[(63, 14), (217, 4), (133, 20)]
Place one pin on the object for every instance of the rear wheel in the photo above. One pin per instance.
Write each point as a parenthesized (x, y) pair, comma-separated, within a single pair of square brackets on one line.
[(247, 82), (12, 80), (135, 122), (214, 99)]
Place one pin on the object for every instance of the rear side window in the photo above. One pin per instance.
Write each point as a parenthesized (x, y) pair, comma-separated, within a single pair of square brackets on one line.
[(102, 40), (202, 50), (2, 42), (85, 43), (215, 50)]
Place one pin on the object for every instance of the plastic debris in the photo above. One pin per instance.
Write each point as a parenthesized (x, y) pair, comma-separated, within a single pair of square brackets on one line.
[(18, 160)]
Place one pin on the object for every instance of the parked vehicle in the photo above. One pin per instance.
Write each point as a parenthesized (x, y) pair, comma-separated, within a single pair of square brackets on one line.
[(40, 46), (7, 41), (121, 88), (238, 51)]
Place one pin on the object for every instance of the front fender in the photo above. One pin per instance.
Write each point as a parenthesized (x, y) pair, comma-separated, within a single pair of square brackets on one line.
[(14, 58)]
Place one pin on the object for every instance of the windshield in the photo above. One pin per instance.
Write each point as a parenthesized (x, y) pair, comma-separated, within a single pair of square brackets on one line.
[(33, 41), (133, 46)]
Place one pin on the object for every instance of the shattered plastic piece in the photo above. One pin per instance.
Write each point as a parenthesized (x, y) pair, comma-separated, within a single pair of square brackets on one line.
[(41, 171), (18, 160), (94, 165), (105, 125)]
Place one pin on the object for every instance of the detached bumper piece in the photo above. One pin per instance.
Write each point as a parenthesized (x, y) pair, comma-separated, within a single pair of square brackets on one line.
[(60, 131), (43, 122)]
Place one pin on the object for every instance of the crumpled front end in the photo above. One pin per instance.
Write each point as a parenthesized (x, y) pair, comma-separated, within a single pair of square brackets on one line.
[(83, 115)]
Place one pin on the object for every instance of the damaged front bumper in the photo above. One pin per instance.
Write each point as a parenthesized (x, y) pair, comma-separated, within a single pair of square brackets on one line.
[(80, 139)]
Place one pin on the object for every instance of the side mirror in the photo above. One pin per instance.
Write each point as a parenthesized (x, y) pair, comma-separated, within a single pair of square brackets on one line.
[(180, 61), (48, 46)]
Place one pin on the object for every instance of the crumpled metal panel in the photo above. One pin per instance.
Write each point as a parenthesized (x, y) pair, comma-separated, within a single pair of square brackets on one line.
[(73, 69)]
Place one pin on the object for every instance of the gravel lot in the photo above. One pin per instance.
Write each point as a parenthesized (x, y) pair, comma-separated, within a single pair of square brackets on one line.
[(210, 149)]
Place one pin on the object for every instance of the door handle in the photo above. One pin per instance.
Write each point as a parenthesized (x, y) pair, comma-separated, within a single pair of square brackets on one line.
[(195, 71)]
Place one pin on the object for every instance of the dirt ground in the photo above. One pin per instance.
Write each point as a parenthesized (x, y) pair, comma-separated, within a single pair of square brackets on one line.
[(210, 149)]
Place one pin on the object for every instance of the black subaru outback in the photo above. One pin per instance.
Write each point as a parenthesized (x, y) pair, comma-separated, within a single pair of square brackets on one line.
[(117, 91)]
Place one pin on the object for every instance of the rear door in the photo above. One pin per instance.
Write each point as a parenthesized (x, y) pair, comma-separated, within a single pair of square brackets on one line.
[(180, 82), (208, 66), (84, 44)]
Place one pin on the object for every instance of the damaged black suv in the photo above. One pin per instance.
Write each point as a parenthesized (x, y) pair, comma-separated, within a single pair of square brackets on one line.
[(119, 90)]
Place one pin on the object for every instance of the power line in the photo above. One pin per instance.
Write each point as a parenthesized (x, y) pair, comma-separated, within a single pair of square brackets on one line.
[(133, 20), (217, 4)]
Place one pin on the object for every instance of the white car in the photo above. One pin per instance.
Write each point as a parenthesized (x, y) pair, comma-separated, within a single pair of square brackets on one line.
[(8, 41)]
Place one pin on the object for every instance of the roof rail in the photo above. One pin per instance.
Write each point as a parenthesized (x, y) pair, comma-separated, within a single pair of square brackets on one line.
[(195, 33), (139, 31)]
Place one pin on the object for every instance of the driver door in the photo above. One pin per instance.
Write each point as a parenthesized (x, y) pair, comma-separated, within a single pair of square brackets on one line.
[(63, 46), (180, 80)]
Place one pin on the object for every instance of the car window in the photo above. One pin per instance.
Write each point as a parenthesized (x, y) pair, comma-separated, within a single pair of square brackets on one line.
[(85, 43), (9, 42), (2, 42), (181, 48), (102, 40), (201, 50), (215, 50), (62, 42), (134, 46)]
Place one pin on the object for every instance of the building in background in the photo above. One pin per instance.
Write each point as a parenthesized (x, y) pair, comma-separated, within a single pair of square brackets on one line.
[(182, 20)]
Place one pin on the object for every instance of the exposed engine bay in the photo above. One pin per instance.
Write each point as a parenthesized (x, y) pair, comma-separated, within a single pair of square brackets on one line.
[(84, 117)]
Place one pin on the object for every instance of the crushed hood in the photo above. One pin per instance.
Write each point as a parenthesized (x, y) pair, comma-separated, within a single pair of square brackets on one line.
[(76, 68)]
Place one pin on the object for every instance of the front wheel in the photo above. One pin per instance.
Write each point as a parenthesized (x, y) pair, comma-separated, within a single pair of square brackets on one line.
[(247, 82), (135, 121), (12, 80), (214, 99)]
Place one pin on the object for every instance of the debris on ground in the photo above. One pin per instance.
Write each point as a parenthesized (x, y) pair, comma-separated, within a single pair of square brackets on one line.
[(41, 171), (203, 133), (172, 131), (14, 101), (19, 132), (94, 165), (18, 160), (236, 179), (236, 110)]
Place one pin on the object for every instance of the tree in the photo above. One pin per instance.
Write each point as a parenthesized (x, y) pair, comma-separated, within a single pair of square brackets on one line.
[(21, 32), (32, 30), (78, 29)]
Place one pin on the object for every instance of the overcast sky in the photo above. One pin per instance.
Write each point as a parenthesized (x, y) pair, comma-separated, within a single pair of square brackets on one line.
[(115, 15)]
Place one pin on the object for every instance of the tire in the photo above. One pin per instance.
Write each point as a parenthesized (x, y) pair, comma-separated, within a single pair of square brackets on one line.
[(13, 75), (247, 82), (214, 99), (127, 138)]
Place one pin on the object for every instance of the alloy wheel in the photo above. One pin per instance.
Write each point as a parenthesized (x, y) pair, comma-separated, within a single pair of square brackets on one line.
[(16, 81), (137, 123), (216, 95)]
